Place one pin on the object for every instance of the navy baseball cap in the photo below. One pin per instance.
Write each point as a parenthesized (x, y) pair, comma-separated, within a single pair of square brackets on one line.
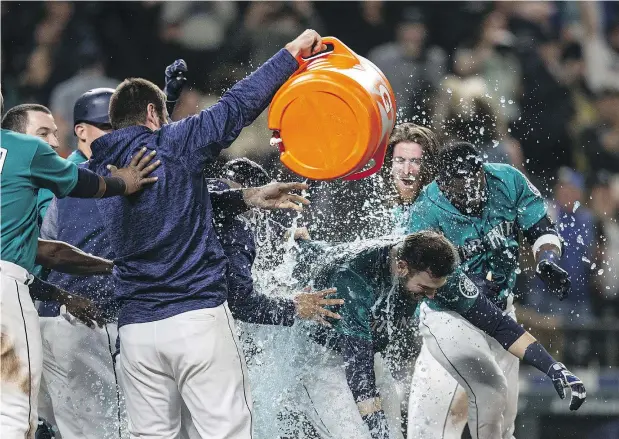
[(93, 106)]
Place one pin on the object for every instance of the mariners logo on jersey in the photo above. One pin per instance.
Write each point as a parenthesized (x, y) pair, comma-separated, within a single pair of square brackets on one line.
[(467, 288)]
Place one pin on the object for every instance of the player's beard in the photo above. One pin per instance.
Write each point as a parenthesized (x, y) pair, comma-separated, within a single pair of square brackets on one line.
[(407, 187)]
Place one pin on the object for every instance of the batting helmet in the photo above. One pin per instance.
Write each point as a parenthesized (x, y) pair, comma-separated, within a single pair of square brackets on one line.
[(246, 172), (92, 107)]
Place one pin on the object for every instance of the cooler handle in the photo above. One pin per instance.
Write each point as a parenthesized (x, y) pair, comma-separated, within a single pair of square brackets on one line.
[(379, 160), (334, 46)]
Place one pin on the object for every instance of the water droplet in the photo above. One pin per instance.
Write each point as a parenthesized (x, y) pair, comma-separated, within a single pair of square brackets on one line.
[(600, 271), (449, 91), (576, 206)]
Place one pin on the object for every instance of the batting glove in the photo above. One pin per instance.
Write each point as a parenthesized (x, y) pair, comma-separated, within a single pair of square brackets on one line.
[(562, 379), (556, 278), (175, 78)]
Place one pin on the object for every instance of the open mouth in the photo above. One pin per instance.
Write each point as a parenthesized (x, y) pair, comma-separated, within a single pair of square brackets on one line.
[(407, 181)]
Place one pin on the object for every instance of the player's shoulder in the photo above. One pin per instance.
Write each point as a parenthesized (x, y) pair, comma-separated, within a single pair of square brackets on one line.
[(507, 175), (13, 140), (501, 170), (20, 148)]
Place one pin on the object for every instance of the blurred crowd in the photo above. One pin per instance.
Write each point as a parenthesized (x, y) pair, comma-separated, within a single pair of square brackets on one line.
[(532, 84)]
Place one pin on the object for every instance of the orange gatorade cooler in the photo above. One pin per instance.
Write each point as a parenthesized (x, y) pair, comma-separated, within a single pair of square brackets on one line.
[(333, 117)]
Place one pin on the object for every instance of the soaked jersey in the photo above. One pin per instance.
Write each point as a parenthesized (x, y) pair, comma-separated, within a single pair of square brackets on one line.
[(486, 243), (375, 308)]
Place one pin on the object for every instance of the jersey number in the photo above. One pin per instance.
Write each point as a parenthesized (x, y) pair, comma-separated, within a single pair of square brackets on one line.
[(3, 153)]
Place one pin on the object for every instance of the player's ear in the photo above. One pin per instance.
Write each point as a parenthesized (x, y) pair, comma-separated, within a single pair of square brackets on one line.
[(402, 268), (80, 131)]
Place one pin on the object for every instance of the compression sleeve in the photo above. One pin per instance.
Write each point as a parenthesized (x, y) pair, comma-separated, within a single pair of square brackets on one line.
[(227, 204), (41, 290), (88, 185), (489, 318), (359, 367)]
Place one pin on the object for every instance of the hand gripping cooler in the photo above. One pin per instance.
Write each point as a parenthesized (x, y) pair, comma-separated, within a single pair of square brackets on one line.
[(334, 116)]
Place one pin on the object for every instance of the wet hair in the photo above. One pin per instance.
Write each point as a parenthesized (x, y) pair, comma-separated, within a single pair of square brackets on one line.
[(245, 172), (429, 251), (425, 137), (16, 119), (130, 99), (458, 159)]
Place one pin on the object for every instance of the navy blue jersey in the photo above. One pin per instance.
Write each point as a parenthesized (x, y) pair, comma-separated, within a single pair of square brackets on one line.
[(78, 222), (168, 258), (239, 245)]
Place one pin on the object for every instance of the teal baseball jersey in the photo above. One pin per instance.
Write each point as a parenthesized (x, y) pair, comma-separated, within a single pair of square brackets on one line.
[(46, 196), (488, 243), (375, 309), (27, 164)]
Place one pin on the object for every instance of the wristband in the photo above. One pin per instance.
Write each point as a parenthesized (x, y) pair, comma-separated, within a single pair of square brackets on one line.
[(537, 356)]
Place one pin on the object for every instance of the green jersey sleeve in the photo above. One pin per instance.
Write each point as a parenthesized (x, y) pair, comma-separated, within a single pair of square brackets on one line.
[(50, 171), (529, 201), (358, 300), (458, 294)]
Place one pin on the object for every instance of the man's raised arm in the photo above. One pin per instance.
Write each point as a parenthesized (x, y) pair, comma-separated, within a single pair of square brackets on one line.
[(202, 137)]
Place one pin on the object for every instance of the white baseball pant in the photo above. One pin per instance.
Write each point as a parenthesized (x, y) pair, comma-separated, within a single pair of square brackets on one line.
[(78, 370), (437, 405), (323, 396), (21, 360), (487, 372), (192, 358)]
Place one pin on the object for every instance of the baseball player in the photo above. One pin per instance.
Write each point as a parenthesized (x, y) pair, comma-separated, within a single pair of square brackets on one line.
[(480, 208), (78, 363), (437, 404), (346, 391), (237, 240), (28, 164), (178, 343), (78, 370), (34, 120)]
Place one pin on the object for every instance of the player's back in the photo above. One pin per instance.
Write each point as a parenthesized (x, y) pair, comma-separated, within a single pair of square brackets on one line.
[(168, 259)]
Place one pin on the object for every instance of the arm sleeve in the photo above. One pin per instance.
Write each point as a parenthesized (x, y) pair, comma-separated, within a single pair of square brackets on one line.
[(201, 138), (227, 204), (50, 171), (245, 302), (41, 290), (355, 334), (530, 204), (489, 318), (359, 364)]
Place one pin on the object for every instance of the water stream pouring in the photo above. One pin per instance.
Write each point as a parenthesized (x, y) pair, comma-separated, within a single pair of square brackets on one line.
[(333, 118)]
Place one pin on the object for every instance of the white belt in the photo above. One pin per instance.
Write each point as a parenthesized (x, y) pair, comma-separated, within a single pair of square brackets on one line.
[(18, 273)]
